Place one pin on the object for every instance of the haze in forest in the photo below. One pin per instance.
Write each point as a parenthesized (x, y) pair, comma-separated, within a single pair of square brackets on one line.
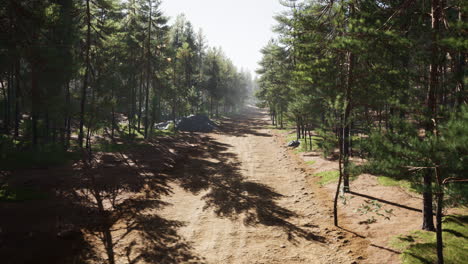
[(240, 27)]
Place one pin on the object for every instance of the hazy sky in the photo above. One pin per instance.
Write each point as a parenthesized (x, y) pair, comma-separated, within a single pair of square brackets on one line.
[(240, 27)]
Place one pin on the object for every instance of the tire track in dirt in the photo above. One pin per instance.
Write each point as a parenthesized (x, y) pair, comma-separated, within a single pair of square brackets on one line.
[(242, 199)]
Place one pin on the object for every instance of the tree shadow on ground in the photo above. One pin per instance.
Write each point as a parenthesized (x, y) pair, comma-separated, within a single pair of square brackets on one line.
[(122, 191), (243, 125), (215, 170), (386, 202), (104, 207), (98, 210)]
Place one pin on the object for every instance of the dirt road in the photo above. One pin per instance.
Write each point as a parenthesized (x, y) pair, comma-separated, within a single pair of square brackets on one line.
[(241, 199)]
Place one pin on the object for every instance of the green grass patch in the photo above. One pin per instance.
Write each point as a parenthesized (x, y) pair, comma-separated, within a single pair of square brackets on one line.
[(310, 162), (388, 181), (327, 177), (163, 133), (123, 132), (303, 147), (419, 247), (8, 194)]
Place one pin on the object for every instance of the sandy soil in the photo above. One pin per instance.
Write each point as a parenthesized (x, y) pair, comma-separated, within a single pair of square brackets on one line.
[(243, 200), (233, 196)]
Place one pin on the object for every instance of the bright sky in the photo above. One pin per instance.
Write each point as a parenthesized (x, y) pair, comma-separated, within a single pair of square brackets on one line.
[(240, 27)]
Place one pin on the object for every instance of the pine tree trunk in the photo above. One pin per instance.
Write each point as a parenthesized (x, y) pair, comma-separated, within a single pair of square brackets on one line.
[(86, 75), (35, 97), (310, 137), (460, 69), (148, 73), (337, 193), (440, 243), (6, 112), (346, 123), (428, 222), (298, 129), (17, 98), (440, 204), (140, 102)]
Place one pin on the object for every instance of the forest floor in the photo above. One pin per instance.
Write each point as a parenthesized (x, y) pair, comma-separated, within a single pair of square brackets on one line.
[(236, 195)]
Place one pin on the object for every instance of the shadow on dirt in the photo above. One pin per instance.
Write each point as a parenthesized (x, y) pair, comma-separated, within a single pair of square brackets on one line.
[(212, 168), (99, 209), (244, 124), (387, 202), (104, 208)]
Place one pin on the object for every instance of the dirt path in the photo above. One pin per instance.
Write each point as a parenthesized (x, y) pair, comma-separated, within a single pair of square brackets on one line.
[(242, 199), (233, 196)]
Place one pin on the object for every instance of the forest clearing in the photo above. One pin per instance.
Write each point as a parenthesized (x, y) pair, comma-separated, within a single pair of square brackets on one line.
[(181, 131)]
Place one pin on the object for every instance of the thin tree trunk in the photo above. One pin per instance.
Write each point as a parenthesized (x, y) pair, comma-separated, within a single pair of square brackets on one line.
[(140, 102), (17, 97), (346, 123), (460, 86), (428, 221), (35, 102), (310, 138), (298, 129), (86, 75), (148, 73), (440, 202), (337, 193), (6, 113), (211, 106)]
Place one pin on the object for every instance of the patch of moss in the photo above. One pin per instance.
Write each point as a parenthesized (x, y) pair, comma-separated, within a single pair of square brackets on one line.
[(419, 247), (310, 162)]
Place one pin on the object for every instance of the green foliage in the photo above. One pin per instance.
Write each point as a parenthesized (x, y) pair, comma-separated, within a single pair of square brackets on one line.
[(374, 208), (139, 70), (327, 142), (420, 246), (406, 155)]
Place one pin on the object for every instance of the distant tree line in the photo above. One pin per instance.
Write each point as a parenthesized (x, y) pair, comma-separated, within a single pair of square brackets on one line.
[(72, 69), (383, 80)]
